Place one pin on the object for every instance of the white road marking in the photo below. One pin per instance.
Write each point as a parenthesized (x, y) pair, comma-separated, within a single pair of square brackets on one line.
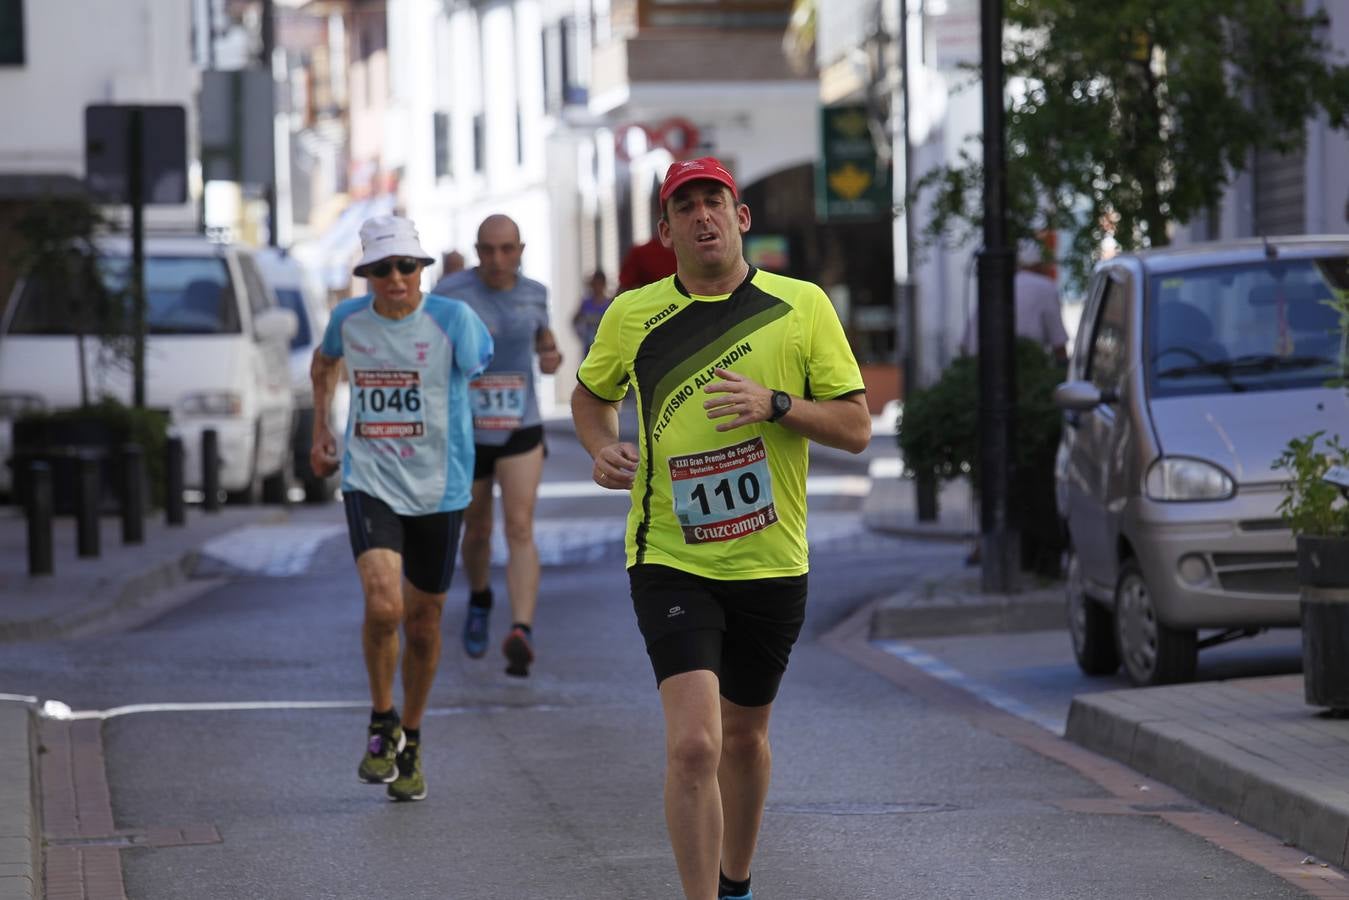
[(938, 669), (279, 550), (245, 706)]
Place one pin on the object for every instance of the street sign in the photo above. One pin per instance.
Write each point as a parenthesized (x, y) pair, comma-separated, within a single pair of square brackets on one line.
[(107, 152), (237, 126), (850, 182)]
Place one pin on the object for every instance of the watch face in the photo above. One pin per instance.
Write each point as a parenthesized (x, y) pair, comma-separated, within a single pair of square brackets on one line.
[(782, 402)]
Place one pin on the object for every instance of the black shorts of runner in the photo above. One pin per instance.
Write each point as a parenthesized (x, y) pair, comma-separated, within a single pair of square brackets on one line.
[(522, 440), (428, 544), (743, 631)]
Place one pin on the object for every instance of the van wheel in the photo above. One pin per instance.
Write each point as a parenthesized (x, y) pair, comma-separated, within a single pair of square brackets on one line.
[(1090, 624), (318, 490), (1152, 652)]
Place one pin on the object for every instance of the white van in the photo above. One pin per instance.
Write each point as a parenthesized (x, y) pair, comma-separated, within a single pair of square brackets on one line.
[(298, 290), (215, 357)]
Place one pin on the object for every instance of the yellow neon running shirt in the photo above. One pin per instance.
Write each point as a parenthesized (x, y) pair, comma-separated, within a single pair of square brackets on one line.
[(725, 505)]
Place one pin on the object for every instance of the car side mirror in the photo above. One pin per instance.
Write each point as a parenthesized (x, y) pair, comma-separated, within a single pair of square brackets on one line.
[(1082, 396), (275, 324)]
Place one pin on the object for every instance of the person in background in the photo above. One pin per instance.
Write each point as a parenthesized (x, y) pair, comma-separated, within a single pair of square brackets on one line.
[(507, 435), (645, 263), (451, 262), (591, 309), (1039, 315), (406, 471), (736, 371)]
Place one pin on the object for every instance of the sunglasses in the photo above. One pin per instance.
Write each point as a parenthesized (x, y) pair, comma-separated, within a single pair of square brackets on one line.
[(384, 267)]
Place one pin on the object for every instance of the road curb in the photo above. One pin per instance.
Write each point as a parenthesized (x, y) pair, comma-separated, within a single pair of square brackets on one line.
[(1297, 809), (131, 593), (20, 823), (899, 622)]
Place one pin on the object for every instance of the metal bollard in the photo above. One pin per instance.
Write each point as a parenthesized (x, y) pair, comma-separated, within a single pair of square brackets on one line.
[(173, 481), (210, 470), (39, 518), (87, 489), (133, 494)]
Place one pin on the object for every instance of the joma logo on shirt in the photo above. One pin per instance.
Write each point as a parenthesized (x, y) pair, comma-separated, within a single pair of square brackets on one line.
[(660, 315)]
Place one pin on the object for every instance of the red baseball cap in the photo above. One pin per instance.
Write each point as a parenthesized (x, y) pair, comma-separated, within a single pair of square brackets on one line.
[(706, 167)]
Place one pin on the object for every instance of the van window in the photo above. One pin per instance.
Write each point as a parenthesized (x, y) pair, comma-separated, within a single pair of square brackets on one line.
[(1252, 327), (258, 300), (293, 300), (183, 294), (1107, 361)]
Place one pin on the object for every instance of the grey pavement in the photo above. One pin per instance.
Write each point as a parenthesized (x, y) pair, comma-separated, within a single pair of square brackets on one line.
[(1248, 747)]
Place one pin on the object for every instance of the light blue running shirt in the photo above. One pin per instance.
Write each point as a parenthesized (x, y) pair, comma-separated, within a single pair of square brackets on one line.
[(504, 397), (409, 437)]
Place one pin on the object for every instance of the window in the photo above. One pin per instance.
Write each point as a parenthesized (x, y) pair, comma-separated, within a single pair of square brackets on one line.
[(479, 142), (11, 33), (259, 299), (519, 137), (441, 128), (1109, 344)]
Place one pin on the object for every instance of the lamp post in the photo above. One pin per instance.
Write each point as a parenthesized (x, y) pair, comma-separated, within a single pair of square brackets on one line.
[(999, 541)]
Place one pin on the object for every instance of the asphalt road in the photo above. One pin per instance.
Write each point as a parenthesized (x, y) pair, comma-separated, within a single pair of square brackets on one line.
[(245, 711)]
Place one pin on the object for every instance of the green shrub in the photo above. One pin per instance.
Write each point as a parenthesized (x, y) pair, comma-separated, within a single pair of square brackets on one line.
[(938, 432), (1310, 505), (146, 427)]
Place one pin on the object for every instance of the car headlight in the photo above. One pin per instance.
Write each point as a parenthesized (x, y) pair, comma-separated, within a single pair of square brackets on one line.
[(1179, 478), (14, 405), (211, 403)]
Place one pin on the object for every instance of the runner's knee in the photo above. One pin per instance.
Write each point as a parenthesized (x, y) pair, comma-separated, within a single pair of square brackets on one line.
[(694, 755)]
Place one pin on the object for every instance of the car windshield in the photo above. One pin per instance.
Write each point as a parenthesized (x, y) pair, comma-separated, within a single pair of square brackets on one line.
[(184, 295), (293, 300), (1252, 327)]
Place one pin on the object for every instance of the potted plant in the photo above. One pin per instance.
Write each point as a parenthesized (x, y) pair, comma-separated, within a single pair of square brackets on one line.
[(1315, 508)]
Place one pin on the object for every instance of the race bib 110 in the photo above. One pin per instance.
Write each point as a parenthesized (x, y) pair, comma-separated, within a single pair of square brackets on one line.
[(721, 495)]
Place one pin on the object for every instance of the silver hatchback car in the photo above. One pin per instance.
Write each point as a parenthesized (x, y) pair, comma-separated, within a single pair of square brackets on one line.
[(1193, 368)]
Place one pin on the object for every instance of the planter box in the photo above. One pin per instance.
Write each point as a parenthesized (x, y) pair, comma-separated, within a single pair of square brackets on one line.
[(1323, 573)]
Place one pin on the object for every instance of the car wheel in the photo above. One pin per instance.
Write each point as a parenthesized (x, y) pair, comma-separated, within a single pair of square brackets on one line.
[(318, 490), (276, 488), (1152, 653), (1089, 624)]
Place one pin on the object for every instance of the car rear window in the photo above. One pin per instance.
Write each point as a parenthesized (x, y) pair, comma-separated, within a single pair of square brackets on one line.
[(184, 295), (1260, 326)]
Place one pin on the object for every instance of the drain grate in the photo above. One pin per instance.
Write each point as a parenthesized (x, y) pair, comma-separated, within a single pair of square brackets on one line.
[(859, 809)]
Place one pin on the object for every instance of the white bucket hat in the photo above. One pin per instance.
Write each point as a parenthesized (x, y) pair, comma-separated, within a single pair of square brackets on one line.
[(385, 236)]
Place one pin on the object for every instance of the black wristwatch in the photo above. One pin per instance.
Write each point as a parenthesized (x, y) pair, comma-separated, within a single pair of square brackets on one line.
[(782, 404)]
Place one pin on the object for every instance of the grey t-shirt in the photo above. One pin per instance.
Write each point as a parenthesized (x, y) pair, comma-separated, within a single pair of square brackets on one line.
[(503, 396)]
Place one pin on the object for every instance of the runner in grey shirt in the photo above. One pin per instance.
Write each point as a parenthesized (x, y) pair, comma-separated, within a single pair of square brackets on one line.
[(507, 434)]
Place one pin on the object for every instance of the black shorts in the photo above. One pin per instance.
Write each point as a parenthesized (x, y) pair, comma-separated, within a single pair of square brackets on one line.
[(522, 440), (427, 543), (743, 631)]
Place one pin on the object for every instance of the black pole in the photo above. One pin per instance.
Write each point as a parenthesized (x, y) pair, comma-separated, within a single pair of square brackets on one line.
[(88, 481), (210, 470), (174, 513), (135, 152), (268, 49), (925, 483), (39, 518), (133, 494), (997, 364)]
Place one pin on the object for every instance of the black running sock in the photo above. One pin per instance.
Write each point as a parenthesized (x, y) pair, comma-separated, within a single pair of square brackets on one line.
[(388, 717), (529, 632), (732, 888), (414, 735), (480, 599)]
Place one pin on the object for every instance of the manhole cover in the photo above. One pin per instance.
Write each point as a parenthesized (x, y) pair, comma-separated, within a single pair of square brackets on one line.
[(859, 809)]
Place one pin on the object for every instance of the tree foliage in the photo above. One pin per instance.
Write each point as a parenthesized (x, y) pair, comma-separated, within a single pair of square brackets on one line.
[(1127, 116)]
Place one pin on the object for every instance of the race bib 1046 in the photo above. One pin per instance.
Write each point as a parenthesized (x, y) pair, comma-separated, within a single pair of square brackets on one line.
[(498, 401), (388, 403), (721, 495)]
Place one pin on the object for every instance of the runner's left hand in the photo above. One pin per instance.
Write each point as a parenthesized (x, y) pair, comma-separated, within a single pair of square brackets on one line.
[(739, 396)]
